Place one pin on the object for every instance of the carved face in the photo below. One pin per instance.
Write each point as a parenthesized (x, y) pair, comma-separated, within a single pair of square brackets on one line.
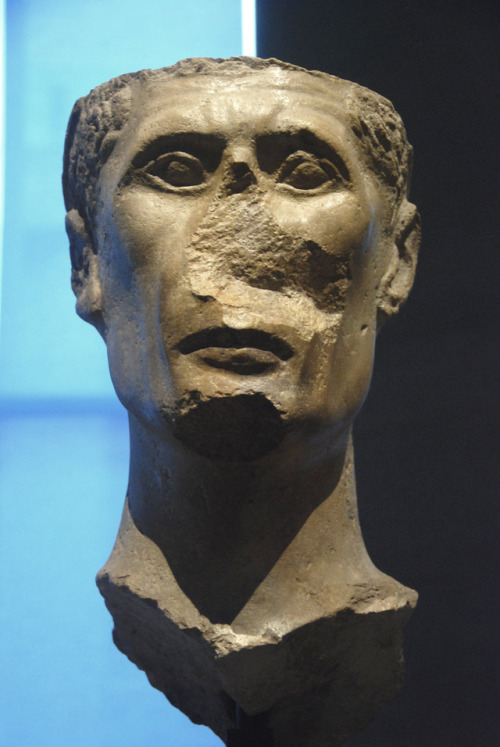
[(239, 257)]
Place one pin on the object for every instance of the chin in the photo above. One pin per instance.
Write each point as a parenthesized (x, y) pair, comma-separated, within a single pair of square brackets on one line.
[(228, 428)]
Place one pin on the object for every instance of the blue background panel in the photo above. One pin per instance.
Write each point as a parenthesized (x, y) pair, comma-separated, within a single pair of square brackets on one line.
[(63, 435), (62, 482)]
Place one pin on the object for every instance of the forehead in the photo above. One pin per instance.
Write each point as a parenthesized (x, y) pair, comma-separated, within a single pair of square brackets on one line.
[(244, 103)]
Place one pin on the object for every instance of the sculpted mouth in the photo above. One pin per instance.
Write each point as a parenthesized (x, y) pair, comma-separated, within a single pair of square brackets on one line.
[(243, 351)]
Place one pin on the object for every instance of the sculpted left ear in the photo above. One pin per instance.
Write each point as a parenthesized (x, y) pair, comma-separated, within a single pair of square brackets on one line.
[(398, 278), (85, 280)]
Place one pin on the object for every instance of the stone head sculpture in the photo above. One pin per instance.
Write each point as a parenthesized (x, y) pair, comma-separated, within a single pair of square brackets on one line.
[(240, 231)]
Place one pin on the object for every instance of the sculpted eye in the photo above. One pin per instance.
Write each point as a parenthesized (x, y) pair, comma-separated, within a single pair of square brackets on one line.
[(304, 171), (177, 170)]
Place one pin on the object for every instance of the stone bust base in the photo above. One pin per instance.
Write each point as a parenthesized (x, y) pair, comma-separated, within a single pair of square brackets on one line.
[(318, 683)]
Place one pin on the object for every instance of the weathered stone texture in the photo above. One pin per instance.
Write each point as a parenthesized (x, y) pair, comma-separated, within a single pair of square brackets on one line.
[(240, 231)]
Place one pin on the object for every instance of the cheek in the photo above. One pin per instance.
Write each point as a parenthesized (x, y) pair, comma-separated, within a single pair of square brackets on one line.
[(338, 222), (151, 229)]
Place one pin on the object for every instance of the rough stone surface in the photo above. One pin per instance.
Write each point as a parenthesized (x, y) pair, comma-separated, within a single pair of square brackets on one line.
[(239, 232)]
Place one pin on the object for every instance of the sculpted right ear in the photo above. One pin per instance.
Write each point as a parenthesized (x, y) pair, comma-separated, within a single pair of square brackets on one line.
[(84, 272)]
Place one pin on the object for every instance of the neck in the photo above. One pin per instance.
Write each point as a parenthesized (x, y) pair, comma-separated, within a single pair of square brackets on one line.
[(249, 583), (249, 543)]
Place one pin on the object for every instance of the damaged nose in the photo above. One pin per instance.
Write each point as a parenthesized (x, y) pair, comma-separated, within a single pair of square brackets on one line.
[(240, 177)]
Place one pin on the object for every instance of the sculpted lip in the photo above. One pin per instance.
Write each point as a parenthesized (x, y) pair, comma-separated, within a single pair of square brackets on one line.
[(243, 351)]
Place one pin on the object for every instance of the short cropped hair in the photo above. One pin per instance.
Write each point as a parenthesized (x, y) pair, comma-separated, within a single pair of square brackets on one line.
[(97, 119)]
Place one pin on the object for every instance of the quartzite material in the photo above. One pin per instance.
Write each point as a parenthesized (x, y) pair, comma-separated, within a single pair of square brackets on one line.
[(240, 230)]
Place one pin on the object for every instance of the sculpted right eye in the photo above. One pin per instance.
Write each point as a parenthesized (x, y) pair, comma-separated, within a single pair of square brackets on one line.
[(176, 170)]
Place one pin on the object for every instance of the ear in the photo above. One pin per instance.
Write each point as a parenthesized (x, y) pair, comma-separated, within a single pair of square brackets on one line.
[(84, 272), (398, 278)]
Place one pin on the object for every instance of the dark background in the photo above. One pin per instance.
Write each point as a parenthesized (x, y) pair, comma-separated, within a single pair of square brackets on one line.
[(427, 440)]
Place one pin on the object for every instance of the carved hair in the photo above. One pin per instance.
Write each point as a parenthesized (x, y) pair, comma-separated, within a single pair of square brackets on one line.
[(97, 119)]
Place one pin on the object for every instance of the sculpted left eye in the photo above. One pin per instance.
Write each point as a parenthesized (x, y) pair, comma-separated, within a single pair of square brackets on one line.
[(304, 171), (177, 170)]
